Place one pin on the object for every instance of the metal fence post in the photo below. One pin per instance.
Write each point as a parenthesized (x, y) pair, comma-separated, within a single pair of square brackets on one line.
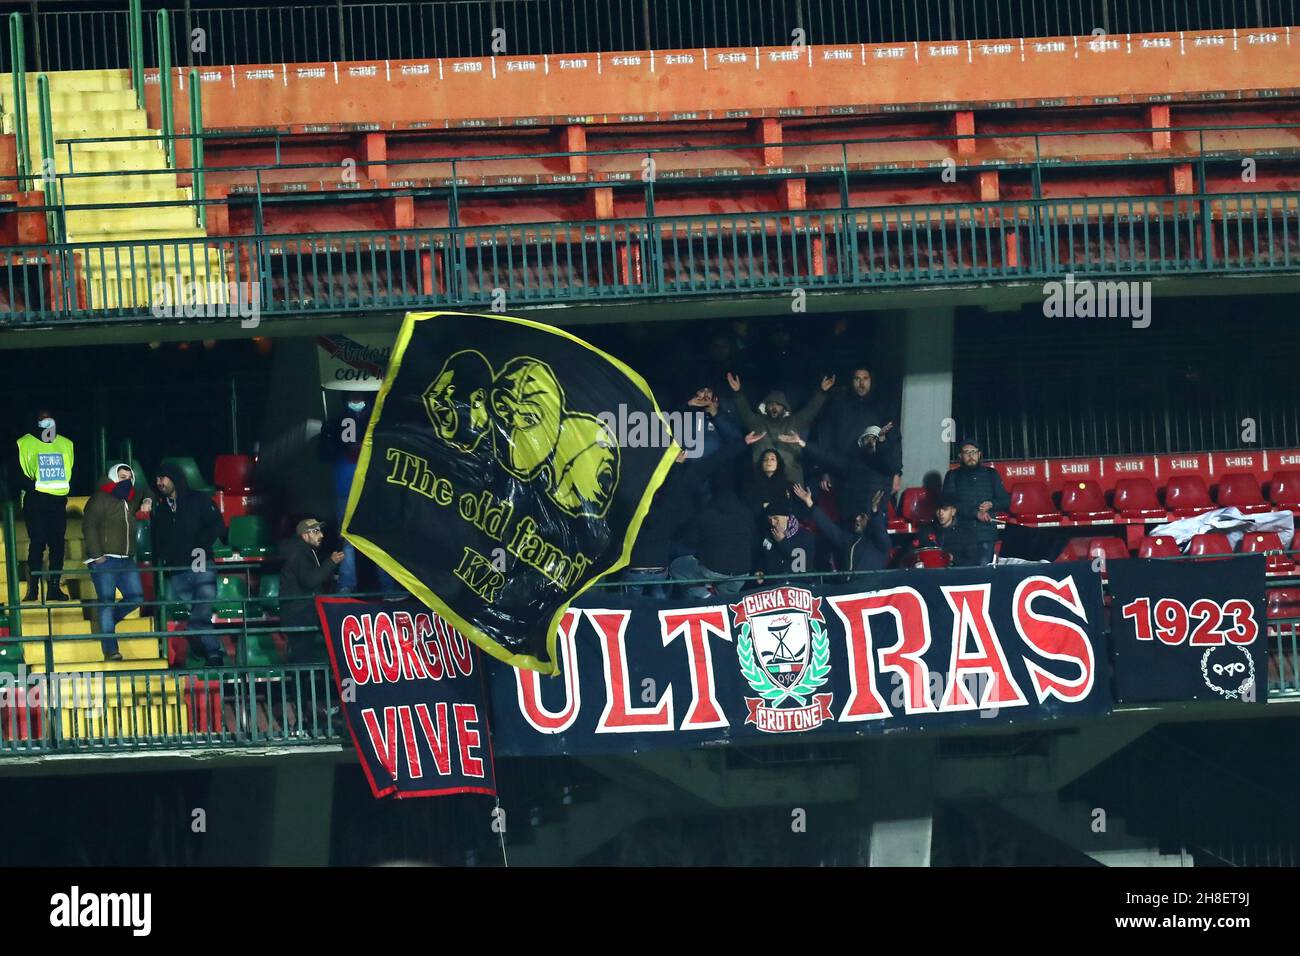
[(49, 163), (196, 147), (165, 87), (13, 602), (19, 66), (135, 32)]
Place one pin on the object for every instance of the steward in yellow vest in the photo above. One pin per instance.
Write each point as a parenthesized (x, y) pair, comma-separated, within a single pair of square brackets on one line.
[(45, 461)]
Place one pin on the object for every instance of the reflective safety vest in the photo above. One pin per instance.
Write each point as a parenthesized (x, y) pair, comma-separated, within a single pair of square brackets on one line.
[(48, 464)]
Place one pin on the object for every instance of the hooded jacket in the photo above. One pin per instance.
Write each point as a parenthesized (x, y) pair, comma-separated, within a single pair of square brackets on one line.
[(859, 474), (108, 524), (182, 524), (790, 422)]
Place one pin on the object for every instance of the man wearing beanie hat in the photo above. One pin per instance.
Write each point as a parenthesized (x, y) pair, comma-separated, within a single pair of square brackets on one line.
[(979, 494), (108, 527), (773, 418), (185, 526)]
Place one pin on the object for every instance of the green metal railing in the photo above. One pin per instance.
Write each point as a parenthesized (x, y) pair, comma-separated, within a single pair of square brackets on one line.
[(196, 148), (666, 257), (450, 178), (165, 90), (324, 31), (135, 30), (18, 61)]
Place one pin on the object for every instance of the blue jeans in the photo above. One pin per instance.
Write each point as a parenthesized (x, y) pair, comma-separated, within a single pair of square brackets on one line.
[(199, 589), (656, 593), (110, 576), (688, 568), (986, 551)]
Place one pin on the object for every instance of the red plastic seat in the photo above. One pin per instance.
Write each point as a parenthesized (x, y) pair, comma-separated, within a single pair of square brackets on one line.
[(233, 472), (1085, 501), (1283, 602), (1186, 495), (1161, 546), (1032, 505), (1284, 489), (918, 505), (1113, 549), (1268, 543), (1241, 491), (1211, 546), (1136, 498)]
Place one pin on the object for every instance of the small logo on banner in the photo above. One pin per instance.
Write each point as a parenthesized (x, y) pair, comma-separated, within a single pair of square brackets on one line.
[(785, 656), (1229, 671)]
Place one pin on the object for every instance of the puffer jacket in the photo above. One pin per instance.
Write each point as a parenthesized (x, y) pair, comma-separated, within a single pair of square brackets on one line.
[(971, 486), (108, 524)]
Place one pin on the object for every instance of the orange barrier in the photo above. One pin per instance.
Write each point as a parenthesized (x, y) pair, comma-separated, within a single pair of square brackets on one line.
[(685, 85)]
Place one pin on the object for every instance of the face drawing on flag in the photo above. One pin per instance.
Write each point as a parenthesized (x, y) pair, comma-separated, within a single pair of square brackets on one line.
[(575, 454), (457, 400), (528, 403)]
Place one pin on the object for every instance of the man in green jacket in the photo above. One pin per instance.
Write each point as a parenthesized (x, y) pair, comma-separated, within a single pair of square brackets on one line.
[(108, 526), (774, 419)]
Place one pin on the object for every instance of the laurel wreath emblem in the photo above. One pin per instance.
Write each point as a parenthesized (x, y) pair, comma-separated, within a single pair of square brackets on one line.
[(812, 677)]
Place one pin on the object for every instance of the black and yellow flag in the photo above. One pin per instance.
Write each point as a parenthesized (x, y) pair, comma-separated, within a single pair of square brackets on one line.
[(491, 484)]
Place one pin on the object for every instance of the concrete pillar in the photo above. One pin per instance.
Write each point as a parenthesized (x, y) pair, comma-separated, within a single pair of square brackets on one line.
[(924, 346), (898, 796)]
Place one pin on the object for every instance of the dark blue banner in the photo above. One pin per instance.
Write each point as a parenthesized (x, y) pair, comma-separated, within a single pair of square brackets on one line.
[(1189, 630), (412, 693), (895, 650)]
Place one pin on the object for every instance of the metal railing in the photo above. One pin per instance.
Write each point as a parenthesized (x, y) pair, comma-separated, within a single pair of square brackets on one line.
[(66, 39), (249, 702), (627, 167), (73, 708), (656, 257)]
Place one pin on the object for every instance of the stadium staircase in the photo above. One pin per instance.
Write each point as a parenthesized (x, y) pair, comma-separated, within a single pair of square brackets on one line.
[(100, 104), (100, 701)]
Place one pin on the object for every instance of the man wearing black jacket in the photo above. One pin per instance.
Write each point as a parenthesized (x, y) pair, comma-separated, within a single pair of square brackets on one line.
[(302, 577), (866, 547), (857, 424), (724, 546), (953, 534), (787, 548), (872, 467), (979, 494), (185, 525)]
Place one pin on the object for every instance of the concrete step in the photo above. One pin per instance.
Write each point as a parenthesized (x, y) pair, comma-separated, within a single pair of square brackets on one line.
[(92, 652), (86, 81), (88, 188), (39, 627), (92, 224), (79, 194), (76, 123)]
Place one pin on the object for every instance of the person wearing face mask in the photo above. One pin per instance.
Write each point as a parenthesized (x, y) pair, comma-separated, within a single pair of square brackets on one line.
[(45, 465), (108, 527)]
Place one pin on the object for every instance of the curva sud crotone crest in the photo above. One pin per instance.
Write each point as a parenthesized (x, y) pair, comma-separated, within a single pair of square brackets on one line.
[(785, 656)]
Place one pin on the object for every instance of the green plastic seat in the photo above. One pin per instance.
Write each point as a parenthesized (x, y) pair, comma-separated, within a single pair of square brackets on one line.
[(190, 469), (232, 593), (250, 536), (268, 595), (143, 542)]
